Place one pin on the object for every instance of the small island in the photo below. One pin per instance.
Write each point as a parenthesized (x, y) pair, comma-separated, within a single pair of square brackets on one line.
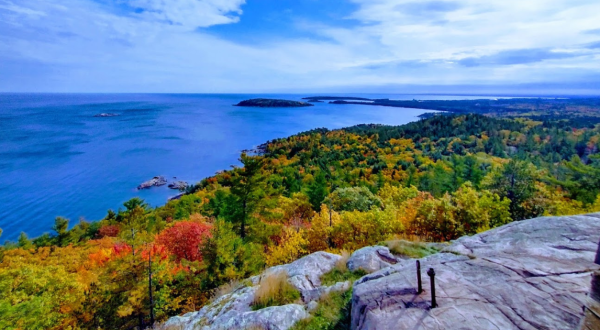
[(272, 103)]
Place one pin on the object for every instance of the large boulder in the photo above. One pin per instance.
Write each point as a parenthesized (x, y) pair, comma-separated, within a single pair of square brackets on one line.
[(532, 274), (371, 259), (305, 273)]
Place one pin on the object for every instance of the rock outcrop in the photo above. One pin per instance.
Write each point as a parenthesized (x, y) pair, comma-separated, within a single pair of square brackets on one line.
[(371, 259), (532, 274), (180, 185), (305, 273), (591, 320), (155, 181), (272, 103), (234, 311)]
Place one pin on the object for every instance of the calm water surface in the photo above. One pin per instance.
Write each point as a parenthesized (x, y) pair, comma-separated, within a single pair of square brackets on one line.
[(57, 159)]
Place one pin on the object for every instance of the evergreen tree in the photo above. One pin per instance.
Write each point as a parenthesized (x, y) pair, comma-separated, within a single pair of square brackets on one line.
[(24, 241), (317, 191), (516, 181), (228, 257), (247, 183)]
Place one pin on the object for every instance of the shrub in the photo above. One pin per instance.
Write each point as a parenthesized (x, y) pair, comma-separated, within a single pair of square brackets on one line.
[(274, 290)]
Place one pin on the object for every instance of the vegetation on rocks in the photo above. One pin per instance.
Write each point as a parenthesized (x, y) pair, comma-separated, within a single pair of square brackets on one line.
[(340, 272), (410, 249), (274, 290), (332, 313)]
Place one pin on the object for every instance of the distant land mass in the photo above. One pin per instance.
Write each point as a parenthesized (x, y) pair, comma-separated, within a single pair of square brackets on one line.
[(272, 103), (580, 109)]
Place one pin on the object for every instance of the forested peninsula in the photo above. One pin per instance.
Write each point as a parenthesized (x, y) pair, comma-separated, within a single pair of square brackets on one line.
[(433, 180)]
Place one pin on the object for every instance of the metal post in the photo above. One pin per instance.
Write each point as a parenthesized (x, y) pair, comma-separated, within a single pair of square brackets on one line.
[(420, 286), (431, 274)]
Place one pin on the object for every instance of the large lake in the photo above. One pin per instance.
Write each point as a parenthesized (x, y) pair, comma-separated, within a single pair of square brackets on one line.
[(57, 159)]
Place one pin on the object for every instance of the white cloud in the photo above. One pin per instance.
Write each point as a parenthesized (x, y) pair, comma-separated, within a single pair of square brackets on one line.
[(10, 6), (190, 13), (89, 46), (471, 27)]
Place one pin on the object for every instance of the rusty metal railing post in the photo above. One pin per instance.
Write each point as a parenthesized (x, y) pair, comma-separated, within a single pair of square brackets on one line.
[(419, 285), (431, 274)]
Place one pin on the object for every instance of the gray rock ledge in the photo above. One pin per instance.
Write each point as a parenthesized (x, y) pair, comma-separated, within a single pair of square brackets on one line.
[(532, 274)]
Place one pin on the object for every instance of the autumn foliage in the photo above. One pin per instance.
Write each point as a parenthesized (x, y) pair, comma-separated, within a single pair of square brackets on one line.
[(184, 238)]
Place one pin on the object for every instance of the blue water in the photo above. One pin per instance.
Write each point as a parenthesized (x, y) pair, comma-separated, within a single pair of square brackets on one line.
[(57, 159)]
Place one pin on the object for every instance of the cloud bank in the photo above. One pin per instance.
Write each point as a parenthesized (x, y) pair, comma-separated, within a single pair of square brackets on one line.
[(251, 46)]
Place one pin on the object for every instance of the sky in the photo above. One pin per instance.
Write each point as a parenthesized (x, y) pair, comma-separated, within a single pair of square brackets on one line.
[(274, 46)]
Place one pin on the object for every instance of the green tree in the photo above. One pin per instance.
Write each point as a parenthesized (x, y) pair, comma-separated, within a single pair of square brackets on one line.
[(134, 222), (24, 241), (291, 181), (473, 173), (438, 179), (247, 183), (498, 208), (61, 226), (354, 198), (515, 181), (583, 180), (228, 257), (317, 190)]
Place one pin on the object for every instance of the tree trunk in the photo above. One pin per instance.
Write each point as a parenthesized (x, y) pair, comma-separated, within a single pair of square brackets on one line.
[(150, 287), (243, 227)]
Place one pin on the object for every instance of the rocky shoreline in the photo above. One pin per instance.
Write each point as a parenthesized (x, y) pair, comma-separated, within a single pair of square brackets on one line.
[(179, 185), (156, 181), (160, 180)]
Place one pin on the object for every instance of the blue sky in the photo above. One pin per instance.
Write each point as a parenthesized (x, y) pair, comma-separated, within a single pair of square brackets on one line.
[(209, 46)]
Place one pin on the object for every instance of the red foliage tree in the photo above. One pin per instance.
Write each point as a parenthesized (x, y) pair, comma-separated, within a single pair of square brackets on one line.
[(184, 238)]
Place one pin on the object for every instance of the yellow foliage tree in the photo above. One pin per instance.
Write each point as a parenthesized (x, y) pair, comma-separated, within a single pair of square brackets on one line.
[(292, 247), (322, 224), (359, 229)]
